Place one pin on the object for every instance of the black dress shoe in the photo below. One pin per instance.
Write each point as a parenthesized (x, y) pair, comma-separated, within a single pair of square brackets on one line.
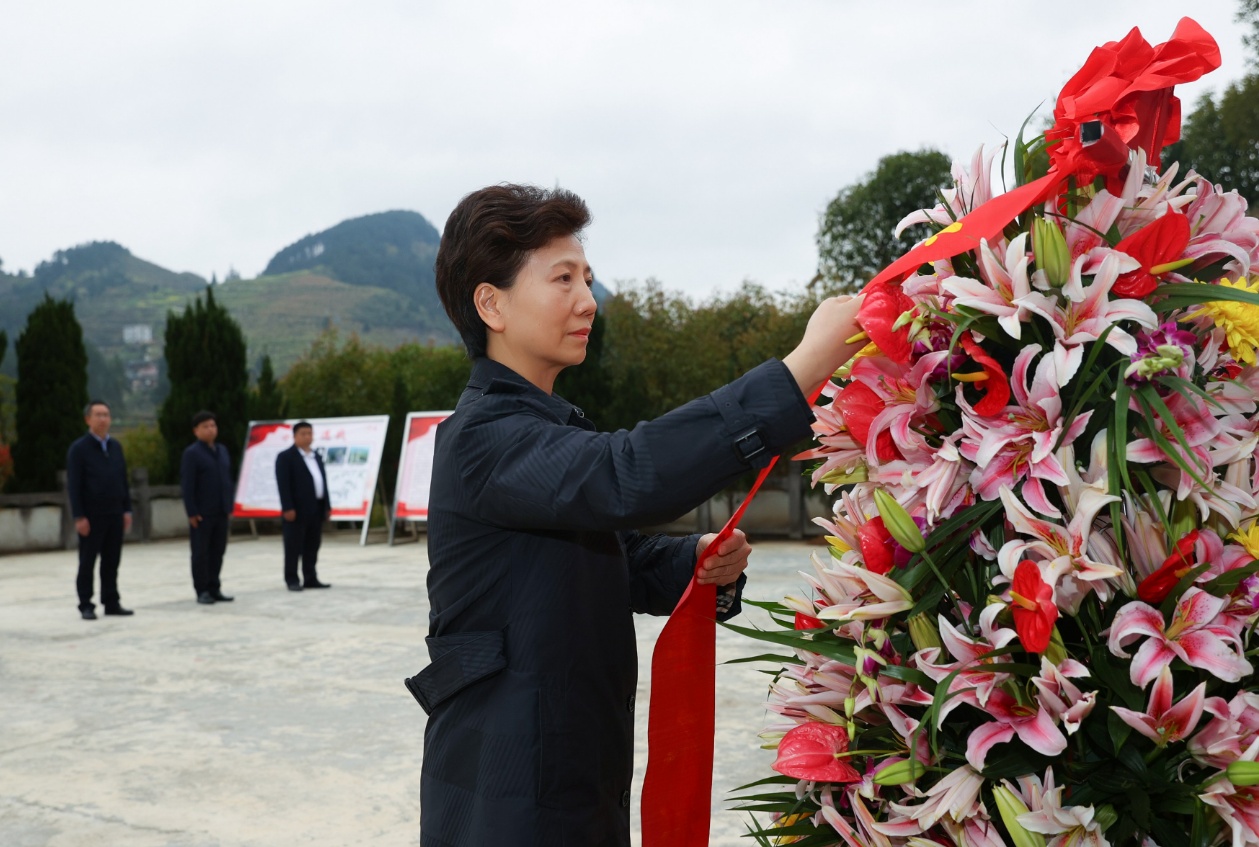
[(205, 598), (295, 586), (88, 614), (316, 584), (118, 610), (220, 597)]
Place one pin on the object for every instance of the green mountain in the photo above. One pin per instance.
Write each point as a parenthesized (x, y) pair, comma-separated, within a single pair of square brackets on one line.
[(371, 275)]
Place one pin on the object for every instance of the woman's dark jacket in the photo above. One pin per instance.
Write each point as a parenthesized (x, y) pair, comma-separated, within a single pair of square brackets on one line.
[(535, 569)]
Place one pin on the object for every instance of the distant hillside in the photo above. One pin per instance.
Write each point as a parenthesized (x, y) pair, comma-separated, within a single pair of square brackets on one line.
[(371, 275), (393, 250), (110, 287), (282, 315)]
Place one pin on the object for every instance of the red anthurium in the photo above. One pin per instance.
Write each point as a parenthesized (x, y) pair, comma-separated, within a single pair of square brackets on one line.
[(993, 382), (1155, 587), (876, 546), (1033, 607), (860, 405), (883, 307), (811, 750), (804, 621), (1159, 248)]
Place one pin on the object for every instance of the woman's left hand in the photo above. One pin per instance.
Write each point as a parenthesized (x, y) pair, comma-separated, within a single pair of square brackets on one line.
[(728, 561)]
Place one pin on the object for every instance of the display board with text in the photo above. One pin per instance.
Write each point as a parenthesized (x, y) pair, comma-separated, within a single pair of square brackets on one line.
[(415, 466), (351, 450)]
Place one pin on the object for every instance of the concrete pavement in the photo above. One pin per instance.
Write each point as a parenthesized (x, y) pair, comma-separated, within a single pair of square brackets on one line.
[(278, 719)]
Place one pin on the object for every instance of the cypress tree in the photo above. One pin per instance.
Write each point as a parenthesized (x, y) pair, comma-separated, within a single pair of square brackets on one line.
[(51, 394), (206, 366), (266, 401)]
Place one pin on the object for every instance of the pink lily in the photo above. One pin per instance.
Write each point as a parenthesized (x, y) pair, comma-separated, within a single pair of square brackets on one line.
[(1221, 227), (1034, 726), (1161, 722), (1233, 725), (956, 796), (1089, 310), (977, 675), (1071, 826), (972, 188), (1085, 233), (1004, 285), (1062, 550), (1022, 445), (1195, 637), (1238, 807), (1061, 697), (908, 397)]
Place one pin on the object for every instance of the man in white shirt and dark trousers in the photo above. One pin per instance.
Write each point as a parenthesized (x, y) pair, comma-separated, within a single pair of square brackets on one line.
[(299, 474)]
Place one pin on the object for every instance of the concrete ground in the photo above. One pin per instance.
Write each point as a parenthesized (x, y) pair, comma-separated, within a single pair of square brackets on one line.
[(279, 719)]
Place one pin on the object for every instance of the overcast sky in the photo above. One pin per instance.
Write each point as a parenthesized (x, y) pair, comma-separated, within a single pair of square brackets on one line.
[(706, 136)]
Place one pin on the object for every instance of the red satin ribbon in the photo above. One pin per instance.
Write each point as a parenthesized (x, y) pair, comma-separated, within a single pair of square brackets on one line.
[(681, 723)]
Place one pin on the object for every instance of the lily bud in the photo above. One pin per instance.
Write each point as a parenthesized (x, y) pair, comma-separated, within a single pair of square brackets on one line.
[(899, 773), (1049, 248), (1243, 774), (1011, 806), (923, 632), (898, 522)]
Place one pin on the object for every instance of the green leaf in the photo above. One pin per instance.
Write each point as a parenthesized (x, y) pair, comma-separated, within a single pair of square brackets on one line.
[(766, 657), (1227, 582), (822, 647), (1180, 295)]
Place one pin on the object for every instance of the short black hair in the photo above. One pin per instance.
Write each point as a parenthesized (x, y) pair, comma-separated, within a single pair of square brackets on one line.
[(301, 425), (87, 410), (201, 417), (488, 238)]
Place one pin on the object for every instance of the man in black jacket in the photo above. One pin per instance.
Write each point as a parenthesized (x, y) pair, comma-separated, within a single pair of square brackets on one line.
[(100, 500), (205, 477), (303, 484)]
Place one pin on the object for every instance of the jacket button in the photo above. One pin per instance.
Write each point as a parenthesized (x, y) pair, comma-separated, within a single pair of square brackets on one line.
[(625, 798), (629, 704)]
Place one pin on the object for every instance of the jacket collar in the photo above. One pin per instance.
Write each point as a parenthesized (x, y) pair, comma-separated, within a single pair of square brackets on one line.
[(491, 377)]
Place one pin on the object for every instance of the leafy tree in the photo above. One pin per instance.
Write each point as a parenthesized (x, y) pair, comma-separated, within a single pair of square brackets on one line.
[(205, 363), (51, 394), (1248, 14), (145, 448), (855, 237), (1221, 138), (266, 400)]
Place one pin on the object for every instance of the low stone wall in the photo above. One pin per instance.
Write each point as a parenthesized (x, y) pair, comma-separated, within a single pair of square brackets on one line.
[(42, 521)]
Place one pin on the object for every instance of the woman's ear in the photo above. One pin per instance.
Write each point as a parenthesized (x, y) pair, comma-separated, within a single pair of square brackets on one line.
[(486, 298)]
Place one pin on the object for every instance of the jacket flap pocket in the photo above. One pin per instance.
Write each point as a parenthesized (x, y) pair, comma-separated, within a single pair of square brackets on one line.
[(458, 661)]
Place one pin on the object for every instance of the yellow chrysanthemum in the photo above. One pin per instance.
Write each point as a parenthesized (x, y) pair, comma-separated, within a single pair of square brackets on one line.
[(1248, 538), (1240, 321)]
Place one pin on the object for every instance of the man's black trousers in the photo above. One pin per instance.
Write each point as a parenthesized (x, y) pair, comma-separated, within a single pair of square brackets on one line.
[(209, 542), (104, 539), (301, 539)]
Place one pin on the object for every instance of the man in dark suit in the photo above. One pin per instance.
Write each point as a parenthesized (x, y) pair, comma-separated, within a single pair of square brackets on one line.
[(205, 477), (100, 500), (303, 484)]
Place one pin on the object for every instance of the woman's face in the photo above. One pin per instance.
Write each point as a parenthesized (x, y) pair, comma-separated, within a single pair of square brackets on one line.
[(545, 317)]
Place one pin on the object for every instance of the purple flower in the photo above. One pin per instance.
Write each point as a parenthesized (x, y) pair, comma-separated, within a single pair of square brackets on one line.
[(1167, 348)]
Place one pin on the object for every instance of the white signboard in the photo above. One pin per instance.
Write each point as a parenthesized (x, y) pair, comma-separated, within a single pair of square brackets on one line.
[(351, 449), (415, 467)]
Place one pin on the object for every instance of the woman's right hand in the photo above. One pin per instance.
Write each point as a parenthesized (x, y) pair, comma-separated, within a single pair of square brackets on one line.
[(825, 346)]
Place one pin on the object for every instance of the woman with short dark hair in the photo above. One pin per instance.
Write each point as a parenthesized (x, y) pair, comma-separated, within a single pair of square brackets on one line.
[(534, 563)]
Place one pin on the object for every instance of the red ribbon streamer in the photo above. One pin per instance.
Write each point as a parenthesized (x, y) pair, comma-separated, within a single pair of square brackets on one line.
[(681, 722)]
